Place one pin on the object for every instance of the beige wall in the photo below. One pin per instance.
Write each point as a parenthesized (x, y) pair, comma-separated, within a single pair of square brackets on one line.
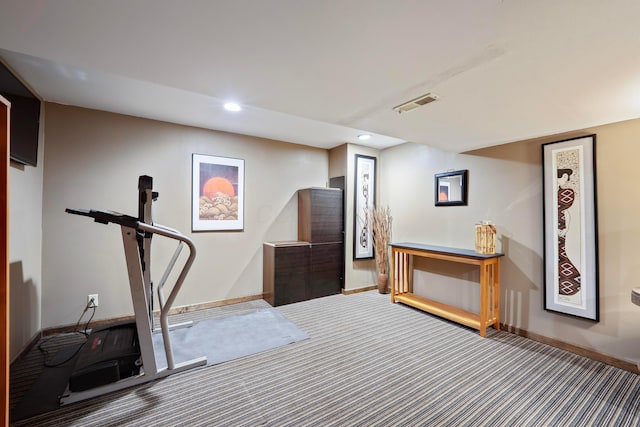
[(25, 249), (505, 186), (93, 160), (338, 161)]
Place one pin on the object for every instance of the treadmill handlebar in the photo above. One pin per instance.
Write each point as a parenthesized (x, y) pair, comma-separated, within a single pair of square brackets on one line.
[(105, 217)]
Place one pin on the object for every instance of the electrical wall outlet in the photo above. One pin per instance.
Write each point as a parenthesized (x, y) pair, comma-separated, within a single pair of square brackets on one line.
[(94, 298)]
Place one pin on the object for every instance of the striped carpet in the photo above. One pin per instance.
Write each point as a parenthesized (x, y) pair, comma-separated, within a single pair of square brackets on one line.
[(371, 363)]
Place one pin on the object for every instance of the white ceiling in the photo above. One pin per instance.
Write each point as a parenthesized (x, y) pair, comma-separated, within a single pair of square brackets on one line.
[(321, 72)]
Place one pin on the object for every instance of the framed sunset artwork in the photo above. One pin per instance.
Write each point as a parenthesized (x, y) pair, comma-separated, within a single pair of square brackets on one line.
[(217, 193)]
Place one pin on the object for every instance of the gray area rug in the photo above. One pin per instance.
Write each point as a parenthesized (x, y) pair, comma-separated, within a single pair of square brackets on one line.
[(231, 337)]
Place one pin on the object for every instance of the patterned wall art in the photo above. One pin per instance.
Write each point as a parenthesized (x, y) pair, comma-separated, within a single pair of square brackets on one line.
[(570, 227), (365, 194), (217, 202)]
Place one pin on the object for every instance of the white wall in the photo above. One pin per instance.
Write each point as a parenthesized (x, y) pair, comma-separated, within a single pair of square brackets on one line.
[(25, 251), (93, 160), (407, 186), (505, 186)]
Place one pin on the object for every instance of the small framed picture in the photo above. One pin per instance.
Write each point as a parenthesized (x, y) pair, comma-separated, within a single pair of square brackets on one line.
[(451, 188)]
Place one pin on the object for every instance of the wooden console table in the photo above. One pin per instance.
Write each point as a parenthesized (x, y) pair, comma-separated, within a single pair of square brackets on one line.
[(402, 287)]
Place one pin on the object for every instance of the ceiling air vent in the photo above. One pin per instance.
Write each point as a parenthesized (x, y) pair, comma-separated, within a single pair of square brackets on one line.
[(415, 103)]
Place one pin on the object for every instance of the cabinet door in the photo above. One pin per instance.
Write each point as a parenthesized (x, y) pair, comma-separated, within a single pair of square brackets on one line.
[(326, 216), (320, 216), (291, 270), (325, 276)]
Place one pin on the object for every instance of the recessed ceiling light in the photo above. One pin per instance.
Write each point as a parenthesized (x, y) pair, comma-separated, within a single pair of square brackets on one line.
[(364, 137), (232, 106)]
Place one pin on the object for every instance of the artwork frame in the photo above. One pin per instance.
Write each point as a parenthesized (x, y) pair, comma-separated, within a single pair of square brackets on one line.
[(364, 199), (571, 227), (451, 188), (217, 188)]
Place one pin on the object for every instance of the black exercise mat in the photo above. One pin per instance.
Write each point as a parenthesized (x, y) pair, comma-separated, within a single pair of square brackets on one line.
[(44, 395)]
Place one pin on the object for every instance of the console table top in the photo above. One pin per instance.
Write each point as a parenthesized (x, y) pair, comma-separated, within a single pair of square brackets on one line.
[(469, 253)]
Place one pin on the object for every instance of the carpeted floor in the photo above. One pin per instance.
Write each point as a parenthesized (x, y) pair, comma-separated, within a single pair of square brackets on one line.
[(218, 339), (371, 363)]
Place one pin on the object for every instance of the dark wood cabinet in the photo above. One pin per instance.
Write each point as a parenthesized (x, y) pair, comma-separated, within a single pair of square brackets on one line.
[(325, 269), (320, 215), (285, 272), (313, 266)]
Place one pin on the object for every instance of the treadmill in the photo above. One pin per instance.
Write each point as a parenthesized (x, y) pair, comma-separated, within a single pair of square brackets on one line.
[(122, 355)]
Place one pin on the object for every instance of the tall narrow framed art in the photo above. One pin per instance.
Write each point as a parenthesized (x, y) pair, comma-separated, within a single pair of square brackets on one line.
[(217, 201), (365, 195), (570, 227)]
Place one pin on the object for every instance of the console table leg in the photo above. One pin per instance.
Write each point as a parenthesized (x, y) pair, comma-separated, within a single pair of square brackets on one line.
[(394, 274), (484, 308), (496, 293)]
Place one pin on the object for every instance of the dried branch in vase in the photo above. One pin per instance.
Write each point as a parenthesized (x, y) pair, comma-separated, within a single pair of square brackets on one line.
[(380, 220)]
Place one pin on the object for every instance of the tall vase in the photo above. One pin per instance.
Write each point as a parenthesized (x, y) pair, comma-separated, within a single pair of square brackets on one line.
[(383, 281)]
